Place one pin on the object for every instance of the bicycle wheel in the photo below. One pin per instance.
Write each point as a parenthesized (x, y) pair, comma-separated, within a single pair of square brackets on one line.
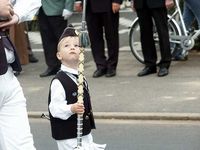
[(135, 43)]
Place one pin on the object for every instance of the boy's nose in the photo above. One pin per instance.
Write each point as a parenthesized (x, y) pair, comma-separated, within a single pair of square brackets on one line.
[(72, 46)]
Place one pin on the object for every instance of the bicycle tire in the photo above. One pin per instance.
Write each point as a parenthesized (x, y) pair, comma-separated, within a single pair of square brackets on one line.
[(134, 38)]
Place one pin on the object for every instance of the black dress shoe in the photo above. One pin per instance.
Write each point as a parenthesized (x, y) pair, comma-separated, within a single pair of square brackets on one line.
[(110, 73), (49, 72), (99, 73), (147, 71), (163, 72), (32, 59)]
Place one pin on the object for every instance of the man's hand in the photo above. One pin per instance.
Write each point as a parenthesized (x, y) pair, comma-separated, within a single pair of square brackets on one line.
[(132, 5), (115, 7), (78, 7), (169, 3), (6, 9), (66, 14), (6, 24)]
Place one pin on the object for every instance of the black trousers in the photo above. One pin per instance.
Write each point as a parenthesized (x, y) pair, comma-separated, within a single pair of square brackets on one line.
[(51, 28), (159, 15), (98, 24)]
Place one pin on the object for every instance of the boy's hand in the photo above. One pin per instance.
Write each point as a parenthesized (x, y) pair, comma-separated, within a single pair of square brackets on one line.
[(78, 108)]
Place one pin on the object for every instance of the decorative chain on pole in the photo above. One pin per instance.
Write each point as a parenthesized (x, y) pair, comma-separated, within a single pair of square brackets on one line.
[(80, 96), (84, 42)]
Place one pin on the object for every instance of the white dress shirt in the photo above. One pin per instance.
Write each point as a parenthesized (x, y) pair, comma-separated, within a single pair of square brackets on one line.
[(26, 9)]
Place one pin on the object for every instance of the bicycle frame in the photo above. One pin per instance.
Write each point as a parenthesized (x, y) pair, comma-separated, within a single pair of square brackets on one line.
[(178, 11), (179, 36), (186, 40)]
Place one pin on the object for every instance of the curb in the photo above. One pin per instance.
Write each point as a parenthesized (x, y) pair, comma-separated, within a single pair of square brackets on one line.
[(134, 116)]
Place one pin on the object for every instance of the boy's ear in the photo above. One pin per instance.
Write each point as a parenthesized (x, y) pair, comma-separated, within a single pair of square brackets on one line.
[(59, 56)]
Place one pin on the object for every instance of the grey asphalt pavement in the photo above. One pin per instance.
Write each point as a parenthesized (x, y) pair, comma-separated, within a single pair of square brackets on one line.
[(130, 134), (127, 96)]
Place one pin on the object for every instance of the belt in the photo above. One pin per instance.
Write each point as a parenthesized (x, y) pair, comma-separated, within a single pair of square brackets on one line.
[(3, 33)]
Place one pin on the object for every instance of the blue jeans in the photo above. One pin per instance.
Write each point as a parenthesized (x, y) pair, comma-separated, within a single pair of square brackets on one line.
[(191, 11)]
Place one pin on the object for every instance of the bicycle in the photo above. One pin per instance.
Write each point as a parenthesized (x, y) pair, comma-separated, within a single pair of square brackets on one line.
[(178, 34)]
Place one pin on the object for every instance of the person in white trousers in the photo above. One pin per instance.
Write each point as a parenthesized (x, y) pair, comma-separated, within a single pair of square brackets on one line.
[(14, 126)]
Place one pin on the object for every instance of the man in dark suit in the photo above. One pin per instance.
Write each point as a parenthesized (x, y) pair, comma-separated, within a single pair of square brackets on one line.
[(146, 10), (52, 23), (103, 16)]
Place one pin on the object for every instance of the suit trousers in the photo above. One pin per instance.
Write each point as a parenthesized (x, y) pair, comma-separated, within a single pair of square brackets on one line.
[(159, 15), (51, 28), (97, 24), (14, 126)]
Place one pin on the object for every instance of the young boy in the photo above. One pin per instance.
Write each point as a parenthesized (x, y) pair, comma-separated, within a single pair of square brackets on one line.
[(63, 106)]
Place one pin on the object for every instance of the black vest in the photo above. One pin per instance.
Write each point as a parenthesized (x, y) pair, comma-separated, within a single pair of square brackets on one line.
[(6, 43), (67, 129)]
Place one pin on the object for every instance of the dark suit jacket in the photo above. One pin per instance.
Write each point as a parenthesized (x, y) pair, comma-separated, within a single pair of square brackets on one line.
[(101, 5), (138, 4)]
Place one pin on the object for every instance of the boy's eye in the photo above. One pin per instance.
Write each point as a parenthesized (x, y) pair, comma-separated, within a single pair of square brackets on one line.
[(66, 45), (76, 45)]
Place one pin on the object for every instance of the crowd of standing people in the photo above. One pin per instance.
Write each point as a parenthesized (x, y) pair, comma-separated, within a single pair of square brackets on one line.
[(103, 26)]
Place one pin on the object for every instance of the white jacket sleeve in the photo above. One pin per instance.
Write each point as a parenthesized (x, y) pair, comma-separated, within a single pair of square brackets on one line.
[(26, 9)]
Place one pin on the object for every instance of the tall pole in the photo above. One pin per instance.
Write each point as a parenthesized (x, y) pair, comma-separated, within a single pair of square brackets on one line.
[(84, 42)]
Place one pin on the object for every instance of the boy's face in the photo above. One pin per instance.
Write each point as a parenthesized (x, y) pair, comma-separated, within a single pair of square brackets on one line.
[(68, 50)]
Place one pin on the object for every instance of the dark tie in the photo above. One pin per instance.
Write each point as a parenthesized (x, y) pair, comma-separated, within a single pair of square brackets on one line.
[(75, 75), (84, 83)]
